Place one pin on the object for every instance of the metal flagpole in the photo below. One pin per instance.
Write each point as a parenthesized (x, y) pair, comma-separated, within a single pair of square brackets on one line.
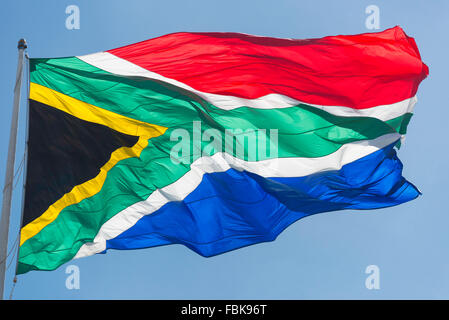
[(9, 174)]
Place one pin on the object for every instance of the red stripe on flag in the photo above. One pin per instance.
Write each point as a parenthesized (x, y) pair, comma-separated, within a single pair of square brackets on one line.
[(357, 71)]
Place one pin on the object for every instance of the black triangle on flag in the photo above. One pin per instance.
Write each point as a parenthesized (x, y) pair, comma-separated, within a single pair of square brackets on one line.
[(63, 152)]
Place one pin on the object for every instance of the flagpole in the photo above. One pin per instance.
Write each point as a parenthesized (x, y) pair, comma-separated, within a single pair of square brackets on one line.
[(9, 174)]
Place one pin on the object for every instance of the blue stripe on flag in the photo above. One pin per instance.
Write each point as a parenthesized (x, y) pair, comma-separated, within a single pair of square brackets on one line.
[(232, 209)]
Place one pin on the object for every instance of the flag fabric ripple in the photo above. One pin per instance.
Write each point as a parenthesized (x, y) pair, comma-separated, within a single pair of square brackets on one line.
[(103, 128)]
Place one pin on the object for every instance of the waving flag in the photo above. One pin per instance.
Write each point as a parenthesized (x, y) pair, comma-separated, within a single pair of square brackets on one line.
[(212, 140)]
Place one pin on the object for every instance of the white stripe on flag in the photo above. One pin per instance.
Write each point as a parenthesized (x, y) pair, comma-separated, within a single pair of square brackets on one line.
[(113, 64), (220, 162)]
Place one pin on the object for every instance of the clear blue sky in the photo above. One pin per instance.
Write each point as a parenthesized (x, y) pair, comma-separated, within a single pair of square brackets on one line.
[(320, 257)]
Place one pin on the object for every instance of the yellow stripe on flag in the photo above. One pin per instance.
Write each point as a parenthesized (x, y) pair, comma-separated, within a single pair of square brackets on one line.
[(94, 114)]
